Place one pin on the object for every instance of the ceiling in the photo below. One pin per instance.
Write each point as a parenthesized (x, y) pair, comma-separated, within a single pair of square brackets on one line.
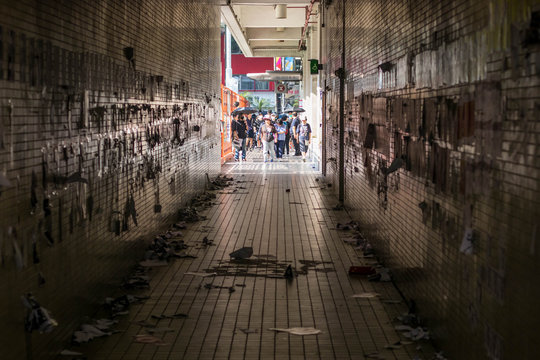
[(258, 32)]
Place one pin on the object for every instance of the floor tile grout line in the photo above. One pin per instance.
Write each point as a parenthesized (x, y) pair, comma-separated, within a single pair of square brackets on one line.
[(198, 263), (213, 258), (161, 274), (254, 227), (294, 226), (251, 206), (316, 273), (193, 280), (350, 283), (336, 262)]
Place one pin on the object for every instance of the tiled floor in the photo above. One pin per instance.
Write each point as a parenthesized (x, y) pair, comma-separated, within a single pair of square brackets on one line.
[(296, 227)]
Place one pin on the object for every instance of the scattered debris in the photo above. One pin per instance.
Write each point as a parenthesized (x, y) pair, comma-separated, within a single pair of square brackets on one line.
[(249, 331), (180, 225), (403, 328), (409, 319), (173, 234), (267, 266), (338, 207), (203, 200), (374, 356), (395, 346), (159, 330), (416, 334), (104, 324), (201, 274), (382, 275), (190, 215), (87, 333), (207, 242), (243, 253), (351, 225), (119, 306), (314, 265), (174, 316), (289, 273), (366, 295), (149, 339), (212, 286), (183, 255), (37, 318), (67, 352), (145, 324), (219, 182), (301, 331), (368, 251), (136, 282)]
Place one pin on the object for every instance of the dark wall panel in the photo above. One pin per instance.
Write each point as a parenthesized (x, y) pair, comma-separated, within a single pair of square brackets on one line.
[(104, 106), (451, 90)]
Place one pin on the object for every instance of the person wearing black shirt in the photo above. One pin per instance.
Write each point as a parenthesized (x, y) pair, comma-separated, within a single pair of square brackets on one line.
[(239, 129), (287, 124), (250, 131), (294, 126)]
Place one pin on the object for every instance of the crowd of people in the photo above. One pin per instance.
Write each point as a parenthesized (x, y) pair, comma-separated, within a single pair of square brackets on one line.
[(272, 133)]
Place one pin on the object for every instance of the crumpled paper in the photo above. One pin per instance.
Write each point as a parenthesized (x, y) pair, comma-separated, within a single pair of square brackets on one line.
[(299, 330)]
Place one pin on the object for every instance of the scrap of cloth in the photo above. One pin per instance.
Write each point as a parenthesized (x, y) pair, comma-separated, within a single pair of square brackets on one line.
[(299, 330)]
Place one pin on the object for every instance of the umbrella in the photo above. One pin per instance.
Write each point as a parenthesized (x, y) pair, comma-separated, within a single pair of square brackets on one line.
[(244, 110), (298, 109)]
